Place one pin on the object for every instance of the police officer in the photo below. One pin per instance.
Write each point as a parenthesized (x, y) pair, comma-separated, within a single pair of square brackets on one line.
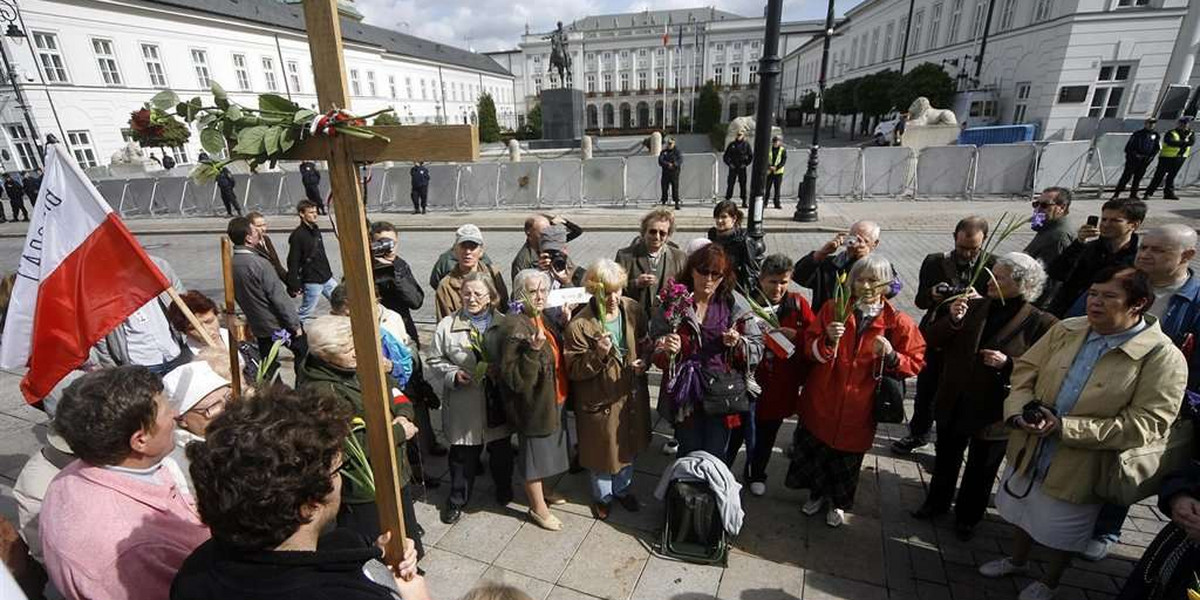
[(1140, 151), (670, 160), (311, 179), (1177, 145), (420, 186), (777, 158), (738, 156)]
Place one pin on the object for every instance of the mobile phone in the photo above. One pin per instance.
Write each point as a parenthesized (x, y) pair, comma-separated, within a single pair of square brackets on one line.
[(1093, 220)]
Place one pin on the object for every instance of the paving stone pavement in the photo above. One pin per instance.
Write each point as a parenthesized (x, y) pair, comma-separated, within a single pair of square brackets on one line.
[(881, 552)]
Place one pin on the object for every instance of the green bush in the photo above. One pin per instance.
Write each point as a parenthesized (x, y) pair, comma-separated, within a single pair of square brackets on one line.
[(489, 126), (708, 109), (716, 136), (387, 119)]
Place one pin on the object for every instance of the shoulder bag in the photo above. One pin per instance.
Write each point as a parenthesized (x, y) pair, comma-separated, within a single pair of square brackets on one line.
[(889, 396)]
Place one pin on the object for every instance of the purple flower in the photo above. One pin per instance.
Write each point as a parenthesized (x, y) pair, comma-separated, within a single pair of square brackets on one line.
[(894, 287), (516, 307), (1037, 221), (282, 335)]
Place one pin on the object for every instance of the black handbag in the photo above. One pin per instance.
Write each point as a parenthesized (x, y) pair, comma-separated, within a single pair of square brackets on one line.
[(889, 397), (493, 404), (723, 392)]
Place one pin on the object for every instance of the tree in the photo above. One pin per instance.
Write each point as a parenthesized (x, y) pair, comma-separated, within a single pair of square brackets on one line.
[(708, 108), (388, 119), (873, 95), (927, 80), (533, 123), (489, 126), (808, 103)]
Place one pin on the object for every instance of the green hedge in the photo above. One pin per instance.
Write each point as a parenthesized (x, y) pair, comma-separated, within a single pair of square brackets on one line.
[(717, 136)]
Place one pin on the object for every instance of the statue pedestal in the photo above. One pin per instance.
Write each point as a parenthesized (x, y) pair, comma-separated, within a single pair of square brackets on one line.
[(924, 136), (562, 115)]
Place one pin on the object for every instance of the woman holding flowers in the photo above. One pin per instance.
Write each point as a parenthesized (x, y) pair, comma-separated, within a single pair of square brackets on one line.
[(703, 331), (857, 338), (459, 363), (611, 394), (533, 380)]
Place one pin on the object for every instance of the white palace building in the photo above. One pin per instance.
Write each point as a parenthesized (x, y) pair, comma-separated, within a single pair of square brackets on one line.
[(82, 66)]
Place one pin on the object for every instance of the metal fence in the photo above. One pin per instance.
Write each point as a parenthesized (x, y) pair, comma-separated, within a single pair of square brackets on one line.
[(954, 172)]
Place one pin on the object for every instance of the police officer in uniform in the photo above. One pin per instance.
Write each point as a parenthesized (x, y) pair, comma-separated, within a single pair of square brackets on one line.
[(777, 158), (738, 156), (1177, 145), (1140, 151)]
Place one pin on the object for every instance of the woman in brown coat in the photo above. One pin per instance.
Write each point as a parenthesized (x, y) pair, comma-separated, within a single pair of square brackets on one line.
[(604, 354), (980, 339)]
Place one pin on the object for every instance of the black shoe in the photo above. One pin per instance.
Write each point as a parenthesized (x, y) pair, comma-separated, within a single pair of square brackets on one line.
[(778, 206), (908, 444), (964, 532), (416, 211), (629, 502), (575, 466), (451, 514), (438, 450), (678, 206), (927, 512), (504, 497), (1170, 196), (600, 510), (431, 483), (424, 210)]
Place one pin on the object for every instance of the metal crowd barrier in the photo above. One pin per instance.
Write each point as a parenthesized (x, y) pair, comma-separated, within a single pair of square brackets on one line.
[(955, 172)]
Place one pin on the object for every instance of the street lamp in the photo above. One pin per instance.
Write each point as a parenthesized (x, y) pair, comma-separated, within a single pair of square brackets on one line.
[(8, 13), (768, 73), (806, 204)]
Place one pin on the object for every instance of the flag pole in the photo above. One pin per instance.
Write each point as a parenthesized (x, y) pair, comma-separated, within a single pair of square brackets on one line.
[(235, 372), (191, 317)]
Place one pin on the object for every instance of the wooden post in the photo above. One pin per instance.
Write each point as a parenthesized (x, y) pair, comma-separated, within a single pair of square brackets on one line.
[(191, 317), (235, 371), (325, 46)]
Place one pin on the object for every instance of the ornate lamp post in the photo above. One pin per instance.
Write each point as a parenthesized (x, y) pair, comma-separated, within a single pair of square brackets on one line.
[(768, 72), (806, 204)]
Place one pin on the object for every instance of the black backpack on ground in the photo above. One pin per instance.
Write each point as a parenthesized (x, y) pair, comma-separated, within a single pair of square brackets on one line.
[(694, 531)]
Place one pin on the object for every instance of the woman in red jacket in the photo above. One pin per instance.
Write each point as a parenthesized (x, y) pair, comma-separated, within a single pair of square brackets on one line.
[(837, 404)]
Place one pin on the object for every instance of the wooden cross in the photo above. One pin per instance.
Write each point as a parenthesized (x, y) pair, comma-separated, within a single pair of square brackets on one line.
[(455, 142)]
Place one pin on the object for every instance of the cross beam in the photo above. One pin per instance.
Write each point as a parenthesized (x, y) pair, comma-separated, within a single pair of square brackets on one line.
[(442, 143)]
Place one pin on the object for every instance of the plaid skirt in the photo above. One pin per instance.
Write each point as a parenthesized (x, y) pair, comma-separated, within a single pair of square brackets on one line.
[(825, 472)]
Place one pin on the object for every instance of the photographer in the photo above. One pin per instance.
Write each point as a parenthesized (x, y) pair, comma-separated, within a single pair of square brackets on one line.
[(527, 257), (395, 285), (554, 261), (818, 270), (1088, 389), (943, 275)]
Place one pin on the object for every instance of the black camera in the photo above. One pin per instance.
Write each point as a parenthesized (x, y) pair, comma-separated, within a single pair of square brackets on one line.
[(946, 290), (382, 247), (1032, 413), (558, 260)]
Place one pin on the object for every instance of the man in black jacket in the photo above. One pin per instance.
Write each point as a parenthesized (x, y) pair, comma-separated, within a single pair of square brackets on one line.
[(33, 185), (262, 297), (670, 160), (308, 266), (311, 179), (419, 174), (943, 275), (819, 270), (1140, 151), (16, 197), (1112, 243), (738, 156), (268, 480), (225, 184)]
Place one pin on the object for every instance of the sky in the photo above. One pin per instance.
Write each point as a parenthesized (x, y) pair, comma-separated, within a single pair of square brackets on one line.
[(486, 25)]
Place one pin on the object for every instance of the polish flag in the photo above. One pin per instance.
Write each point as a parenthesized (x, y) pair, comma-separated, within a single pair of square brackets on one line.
[(666, 35), (81, 273)]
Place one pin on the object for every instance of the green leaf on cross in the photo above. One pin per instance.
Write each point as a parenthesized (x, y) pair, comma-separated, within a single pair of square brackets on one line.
[(212, 141), (288, 139), (251, 141), (271, 140), (304, 116), (164, 100), (276, 103)]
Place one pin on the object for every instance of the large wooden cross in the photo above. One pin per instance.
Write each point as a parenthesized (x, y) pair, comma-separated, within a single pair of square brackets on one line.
[(446, 143)]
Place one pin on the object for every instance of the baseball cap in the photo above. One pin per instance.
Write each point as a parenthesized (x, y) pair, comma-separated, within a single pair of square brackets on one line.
[(190, 383), (696, 244), (554, 238), (468, 233)]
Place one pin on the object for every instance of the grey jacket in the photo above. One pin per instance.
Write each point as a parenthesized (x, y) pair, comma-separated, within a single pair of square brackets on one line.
[(113, 349), (702, 466), (262, 296)]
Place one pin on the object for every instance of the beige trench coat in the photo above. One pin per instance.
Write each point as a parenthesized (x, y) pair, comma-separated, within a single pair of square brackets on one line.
[(464, 416)]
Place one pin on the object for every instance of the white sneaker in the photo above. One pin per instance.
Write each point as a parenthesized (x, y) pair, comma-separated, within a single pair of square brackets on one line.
[(758, 488), (1001, 567), (835, 517), (813, 506), (1097, 550), (670, 447), (1037, 591)]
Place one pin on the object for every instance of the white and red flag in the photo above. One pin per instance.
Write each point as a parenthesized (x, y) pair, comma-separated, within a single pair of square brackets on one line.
[(81, 274)]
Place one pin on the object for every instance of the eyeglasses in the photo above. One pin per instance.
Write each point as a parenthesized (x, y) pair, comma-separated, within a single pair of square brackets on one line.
[(211, 410), (710, 274), (475, 295), (658, 232), (1044, 204)]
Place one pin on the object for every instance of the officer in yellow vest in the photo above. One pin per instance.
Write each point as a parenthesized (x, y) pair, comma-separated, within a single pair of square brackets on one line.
[(776, 160), (1177, 145)]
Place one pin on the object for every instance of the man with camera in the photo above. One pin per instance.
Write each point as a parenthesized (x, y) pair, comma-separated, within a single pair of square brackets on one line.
[(554, 260), (530, 253), (1103, 241), (395, 284), (943, 276), (308, 266), (819, 269)]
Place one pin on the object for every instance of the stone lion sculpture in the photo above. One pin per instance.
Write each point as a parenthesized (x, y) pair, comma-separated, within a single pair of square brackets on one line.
[(130, 154), (745, 125), (922, 114)]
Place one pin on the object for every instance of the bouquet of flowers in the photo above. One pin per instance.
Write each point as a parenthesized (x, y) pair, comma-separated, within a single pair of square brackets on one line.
[(759, 310), (154, 128), (482, 359), (279, 339), (256, 135), (675, 299), (524, 306), (600, 296)]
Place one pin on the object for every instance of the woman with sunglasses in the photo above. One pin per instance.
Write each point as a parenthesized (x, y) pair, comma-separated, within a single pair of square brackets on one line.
[(651, 260), (716, 337), (852, 354)]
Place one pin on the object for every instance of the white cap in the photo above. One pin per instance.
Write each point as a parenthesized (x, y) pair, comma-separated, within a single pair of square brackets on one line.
[(190, 383), (697, 244), (468, 233)]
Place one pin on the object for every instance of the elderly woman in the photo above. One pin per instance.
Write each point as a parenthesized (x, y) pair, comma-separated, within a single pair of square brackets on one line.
[(533, 380), (457, 362), (980, 340), (602, 345), (197, 394), (207, 314), (330, 367), (853, 351), (1091, 387), (717, 338)]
